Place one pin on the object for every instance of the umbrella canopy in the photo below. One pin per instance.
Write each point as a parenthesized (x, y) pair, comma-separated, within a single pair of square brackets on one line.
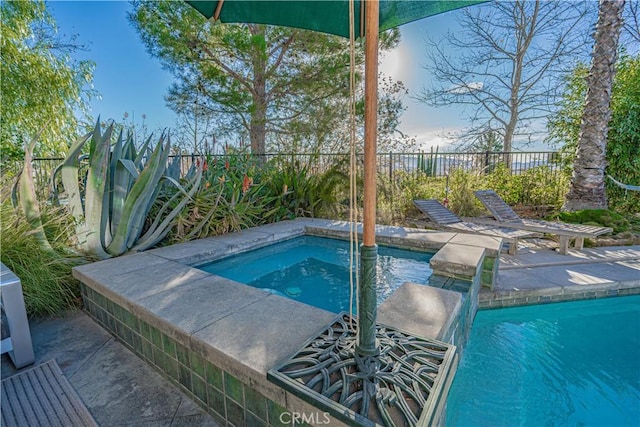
[(326, 16)]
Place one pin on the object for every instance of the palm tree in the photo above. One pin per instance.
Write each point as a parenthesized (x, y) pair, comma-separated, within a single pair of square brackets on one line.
[(587, 183)]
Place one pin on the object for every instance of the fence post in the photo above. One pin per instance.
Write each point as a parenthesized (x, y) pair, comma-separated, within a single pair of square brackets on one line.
[(486, 162)]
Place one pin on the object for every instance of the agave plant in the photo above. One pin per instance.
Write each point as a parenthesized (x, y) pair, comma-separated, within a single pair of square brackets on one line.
[(121, 185)]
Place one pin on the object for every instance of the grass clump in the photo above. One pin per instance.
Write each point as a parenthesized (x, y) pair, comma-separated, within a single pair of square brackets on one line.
[(45, 275), (601, 217)]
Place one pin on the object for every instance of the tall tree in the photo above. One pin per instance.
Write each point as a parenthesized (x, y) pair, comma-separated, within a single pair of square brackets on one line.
[(504, 64), (631, 29), (254, 79), (41, 85), (587, 190)]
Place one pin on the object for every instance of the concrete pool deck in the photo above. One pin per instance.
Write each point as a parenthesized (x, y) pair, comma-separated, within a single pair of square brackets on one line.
[(538, 275), (535, 274)]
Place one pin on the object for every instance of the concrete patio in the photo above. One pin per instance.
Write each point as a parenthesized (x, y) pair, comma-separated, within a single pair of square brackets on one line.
[(120, 389)]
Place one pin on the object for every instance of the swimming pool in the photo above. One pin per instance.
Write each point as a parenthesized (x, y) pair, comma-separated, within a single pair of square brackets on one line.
[(565, 364), (315, 270)]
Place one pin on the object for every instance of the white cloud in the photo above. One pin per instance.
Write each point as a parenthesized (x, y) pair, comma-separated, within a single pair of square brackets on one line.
[(466, 88), (436, 138)]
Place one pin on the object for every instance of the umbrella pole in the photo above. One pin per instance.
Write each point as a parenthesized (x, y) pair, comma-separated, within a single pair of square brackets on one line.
[(367, 308)]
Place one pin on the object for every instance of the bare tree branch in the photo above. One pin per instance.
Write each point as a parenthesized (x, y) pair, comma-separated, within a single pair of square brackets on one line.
[(505, 64)]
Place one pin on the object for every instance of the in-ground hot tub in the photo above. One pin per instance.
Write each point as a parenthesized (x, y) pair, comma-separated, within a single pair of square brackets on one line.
[(217, 339), (316, 270)]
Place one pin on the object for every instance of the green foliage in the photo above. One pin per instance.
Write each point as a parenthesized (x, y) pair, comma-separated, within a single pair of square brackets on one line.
[(227, 201), (395, 197), (428, 164), (274, 84), (538, 186), (623, 144), (602, 217), (111, 200), (120, 188), (45, 274), (240, 192), (298, 192), (41, 83), (461, 186)]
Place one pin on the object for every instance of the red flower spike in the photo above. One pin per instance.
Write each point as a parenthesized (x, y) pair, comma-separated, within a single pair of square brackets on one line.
[(246, 182)]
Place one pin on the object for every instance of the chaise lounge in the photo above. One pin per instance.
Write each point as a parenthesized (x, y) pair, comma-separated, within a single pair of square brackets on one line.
[(444, 219), (505, 216)]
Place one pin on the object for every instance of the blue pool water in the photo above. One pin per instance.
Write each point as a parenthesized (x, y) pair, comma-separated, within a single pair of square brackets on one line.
[(315, 270), (567, 364)]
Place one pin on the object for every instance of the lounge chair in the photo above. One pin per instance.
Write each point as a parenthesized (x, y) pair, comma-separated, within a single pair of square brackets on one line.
[(16, 336), (505, 216), (443, 218)]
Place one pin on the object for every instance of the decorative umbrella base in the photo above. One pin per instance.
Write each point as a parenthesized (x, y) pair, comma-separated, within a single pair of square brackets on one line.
[(404, 385)]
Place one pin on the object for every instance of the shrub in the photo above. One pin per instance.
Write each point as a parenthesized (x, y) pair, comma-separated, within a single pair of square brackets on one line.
[(602, 217), (294, 190), (461, 198), (395, 197), (228, 200), (47, 283)]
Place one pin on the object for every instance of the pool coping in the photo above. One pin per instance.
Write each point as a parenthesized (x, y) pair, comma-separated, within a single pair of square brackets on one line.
[(544, 276)]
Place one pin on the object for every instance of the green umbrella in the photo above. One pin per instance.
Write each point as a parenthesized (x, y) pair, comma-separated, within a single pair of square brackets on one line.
[(332, 16), (326, 16)]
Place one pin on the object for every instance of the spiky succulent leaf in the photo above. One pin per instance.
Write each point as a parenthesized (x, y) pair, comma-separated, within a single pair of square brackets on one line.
[(158, 230), (28, 197), (122, 179), (70, 176), (97, 194), (173, 170), (138, 201), (144, 152)]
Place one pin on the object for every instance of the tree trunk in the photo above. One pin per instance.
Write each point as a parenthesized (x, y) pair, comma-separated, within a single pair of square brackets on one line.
[(258, 125), (587, 183), (258, 128)]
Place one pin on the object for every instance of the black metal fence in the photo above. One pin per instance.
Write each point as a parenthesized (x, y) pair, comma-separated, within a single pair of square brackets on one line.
[(392, 165), (433, 164)]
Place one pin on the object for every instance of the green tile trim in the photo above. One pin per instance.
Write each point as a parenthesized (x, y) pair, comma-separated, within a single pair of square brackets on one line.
[(184, 376), (235, 413), (488, 263), (274, 411), (169, 346), (182, 353), (253, 421), (147, 350), (215, 401), (256, 403), (214, 376), (218, 417), (145, 330), (172, 368), (199, 388), (158, 358), (156, 336), (198, 365), (533, 297), (233, 388)]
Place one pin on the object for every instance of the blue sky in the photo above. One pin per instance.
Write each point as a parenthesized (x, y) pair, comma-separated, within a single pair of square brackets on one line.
[(129, 80)]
